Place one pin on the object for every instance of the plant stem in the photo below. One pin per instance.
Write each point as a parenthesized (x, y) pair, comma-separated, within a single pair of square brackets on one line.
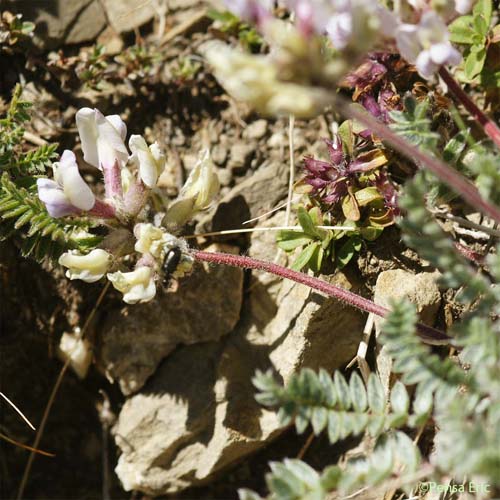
[(490, 128), (427, 333), (448, 175)]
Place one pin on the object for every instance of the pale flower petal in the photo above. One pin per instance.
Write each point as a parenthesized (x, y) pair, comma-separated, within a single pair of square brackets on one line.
[(432, 29), (78, 351), (102, 139), (118, 124), (339, 29), (197, 193), (90, 267), (427, 44), (407, 42), (75, 188), (441, 52), (54, 199), (389, 22), (127, 179), (85, 122), (463, 6), (150, 160), (67, 193), (150, 239), (425, 65), (202, 183), (110, 145), (136, 286), (418, 4), (249, 10)]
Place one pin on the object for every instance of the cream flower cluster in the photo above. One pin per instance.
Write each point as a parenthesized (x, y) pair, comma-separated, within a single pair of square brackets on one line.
[(67, 194), (139, 285)]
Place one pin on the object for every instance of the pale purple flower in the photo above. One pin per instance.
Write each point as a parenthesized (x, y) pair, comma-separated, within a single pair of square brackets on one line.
[(427, 44), (67, 193), (459, 6), (311, 16), (341, 20), (339, 28), (102, 138), (463, 6), (254, 11)]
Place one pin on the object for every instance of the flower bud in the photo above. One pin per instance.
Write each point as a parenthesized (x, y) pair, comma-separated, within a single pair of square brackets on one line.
[(427, 44), (150, 160), (136, 286), (198, 191), (90, 267)]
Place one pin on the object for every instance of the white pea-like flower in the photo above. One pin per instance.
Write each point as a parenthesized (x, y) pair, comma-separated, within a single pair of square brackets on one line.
[(136, 286), (197, 193), (90, 267), (102, 138), (152, 240), (77, 350), (68, 193), (427, 44), (150, 160)]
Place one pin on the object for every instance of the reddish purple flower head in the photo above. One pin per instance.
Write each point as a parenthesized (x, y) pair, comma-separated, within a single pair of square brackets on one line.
[(330, 179)]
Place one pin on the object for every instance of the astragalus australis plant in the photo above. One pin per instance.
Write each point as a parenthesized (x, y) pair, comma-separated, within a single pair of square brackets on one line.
[(64, 210), (318, 54)]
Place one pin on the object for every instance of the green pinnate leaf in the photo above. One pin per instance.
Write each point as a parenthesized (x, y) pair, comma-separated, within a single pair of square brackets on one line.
[(333, 427), (319, 419), (399, 398), (342, 389), (358, 393), (376, 396)]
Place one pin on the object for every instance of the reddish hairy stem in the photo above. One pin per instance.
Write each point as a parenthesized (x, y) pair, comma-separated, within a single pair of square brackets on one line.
[(427, 333), (448, 175), (490, 128)]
